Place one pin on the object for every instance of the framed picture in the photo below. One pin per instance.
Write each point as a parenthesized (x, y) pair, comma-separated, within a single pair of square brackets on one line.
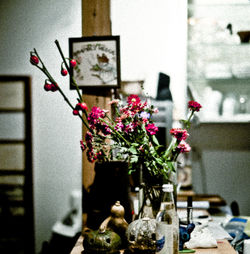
[(98, 61)]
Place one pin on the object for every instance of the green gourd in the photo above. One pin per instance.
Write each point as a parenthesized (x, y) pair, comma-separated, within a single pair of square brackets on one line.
[(101, 241)]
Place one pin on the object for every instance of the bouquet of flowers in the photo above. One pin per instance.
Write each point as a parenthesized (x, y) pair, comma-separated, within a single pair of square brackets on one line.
[(129, 135)]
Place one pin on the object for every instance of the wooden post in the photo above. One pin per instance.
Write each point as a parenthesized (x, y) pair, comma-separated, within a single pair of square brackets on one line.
[(95, 22)]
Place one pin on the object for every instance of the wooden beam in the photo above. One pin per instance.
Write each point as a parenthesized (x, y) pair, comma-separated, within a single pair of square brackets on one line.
[(95, 22)]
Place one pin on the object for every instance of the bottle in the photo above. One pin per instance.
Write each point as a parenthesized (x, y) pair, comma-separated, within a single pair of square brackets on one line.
[(167, 229)]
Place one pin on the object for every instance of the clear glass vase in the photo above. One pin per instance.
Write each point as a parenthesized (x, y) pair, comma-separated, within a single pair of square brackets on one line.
[(150, 193)]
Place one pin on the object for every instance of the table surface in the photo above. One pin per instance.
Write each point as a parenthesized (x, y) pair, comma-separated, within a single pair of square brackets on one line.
[(223, 248)]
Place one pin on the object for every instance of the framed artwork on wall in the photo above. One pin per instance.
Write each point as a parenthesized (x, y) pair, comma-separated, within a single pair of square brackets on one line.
[(98, 61)]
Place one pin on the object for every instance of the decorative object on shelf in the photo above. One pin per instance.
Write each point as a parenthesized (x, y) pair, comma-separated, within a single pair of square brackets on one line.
[(116, 222), (141, 235), (101, 241)]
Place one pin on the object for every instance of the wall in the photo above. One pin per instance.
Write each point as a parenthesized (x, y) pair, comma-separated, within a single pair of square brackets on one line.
[(221, 161), (25, 25), (153, 39)]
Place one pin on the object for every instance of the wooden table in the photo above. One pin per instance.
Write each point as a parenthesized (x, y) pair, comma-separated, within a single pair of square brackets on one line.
[(223, 248)]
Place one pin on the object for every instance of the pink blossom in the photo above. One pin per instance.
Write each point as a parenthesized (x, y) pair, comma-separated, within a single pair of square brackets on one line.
[(119, 126), (104, 129), (179, 134), (194, 106), (183, 147), (94, 116), (141, 148), (115, 101), (88, 138), (129, 128), (156, 110), (133, 99), (83, 146), (151, 128)]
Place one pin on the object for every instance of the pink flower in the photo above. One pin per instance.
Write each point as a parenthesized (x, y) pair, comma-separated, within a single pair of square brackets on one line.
[(83, 146), (183, 147), (88, 138), (104, 129), (133, 99), (129, 128), (141, 148), (94, 115), (156, 110), (119, 126), (151, 128), (194, 106), (116, 101), (179, 134)]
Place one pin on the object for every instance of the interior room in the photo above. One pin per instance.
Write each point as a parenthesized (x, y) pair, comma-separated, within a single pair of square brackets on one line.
[(199, 48)]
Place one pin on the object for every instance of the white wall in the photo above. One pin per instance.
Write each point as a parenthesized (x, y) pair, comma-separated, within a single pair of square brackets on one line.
[(56, 132), (153, 39)]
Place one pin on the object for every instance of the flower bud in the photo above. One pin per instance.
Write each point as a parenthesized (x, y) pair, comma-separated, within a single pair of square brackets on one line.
[(81, 106), (47, 87), (75, 112), (54, 87), (34, 60), (72, 63), (64, 72)]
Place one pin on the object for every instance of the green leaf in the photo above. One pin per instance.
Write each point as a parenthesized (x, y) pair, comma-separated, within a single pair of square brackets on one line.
[(155, 140), (132, 150), (135, 144), (134, 159)]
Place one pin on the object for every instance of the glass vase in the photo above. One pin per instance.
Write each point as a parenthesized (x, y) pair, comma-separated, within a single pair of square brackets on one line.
[(150, 193)]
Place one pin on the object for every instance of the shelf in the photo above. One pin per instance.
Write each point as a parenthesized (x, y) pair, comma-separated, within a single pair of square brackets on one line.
[(220, 45), (240, 118), (198, 79), (216, 3)]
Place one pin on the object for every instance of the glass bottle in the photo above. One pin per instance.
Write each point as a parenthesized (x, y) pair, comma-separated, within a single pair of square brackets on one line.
[(167, 229)]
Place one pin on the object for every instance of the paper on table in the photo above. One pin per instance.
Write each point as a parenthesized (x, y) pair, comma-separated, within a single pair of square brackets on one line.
[(218, 232)]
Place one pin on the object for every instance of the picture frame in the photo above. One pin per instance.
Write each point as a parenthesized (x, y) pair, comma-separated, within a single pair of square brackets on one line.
[(98, 61)]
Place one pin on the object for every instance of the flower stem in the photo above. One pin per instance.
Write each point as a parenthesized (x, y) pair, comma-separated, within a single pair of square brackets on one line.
[(52, 80), (113, 129), (72, 80)]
